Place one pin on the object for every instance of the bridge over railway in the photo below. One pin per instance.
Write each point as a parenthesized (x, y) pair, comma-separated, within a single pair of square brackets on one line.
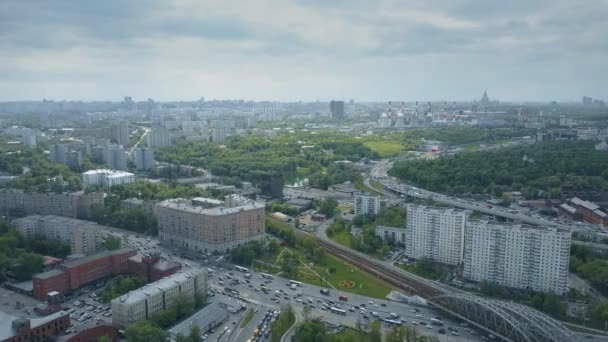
[(507, 320)]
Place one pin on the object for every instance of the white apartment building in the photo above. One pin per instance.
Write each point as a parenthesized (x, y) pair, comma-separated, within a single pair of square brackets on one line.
[(394, 234), (83, 237), (435, 233), (147, 301), (185, 224), (106, 178), (158, 136), (513, 255), (367, 205)]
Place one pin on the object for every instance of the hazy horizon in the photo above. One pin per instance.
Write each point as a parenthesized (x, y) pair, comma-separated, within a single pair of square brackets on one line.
[(304, 50)]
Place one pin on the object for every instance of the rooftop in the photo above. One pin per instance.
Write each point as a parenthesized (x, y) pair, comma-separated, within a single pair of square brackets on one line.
[(48, 274), (6, 322), (158, 286), (107, 172), (585, 204), (96, 256), (187, 205), (210, 314)]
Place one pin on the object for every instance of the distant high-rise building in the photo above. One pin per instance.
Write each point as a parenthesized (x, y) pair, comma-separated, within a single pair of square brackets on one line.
[(219, 134), (525, 257), (158, 136), (114, 157), (57, 153), (485, 100), (587, 101), (337, 109), (29, 139), (120, 133), (435, 233), (73, 159), (144, 158)]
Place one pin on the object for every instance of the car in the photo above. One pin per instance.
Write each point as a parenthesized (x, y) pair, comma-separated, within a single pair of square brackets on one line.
[(428, 326), (441, 331), (383, 304)]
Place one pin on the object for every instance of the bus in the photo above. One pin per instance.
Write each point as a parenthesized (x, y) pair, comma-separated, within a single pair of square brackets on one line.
[(338, 311), (267, 276), (242, 269), (392, 322), (296, 283)]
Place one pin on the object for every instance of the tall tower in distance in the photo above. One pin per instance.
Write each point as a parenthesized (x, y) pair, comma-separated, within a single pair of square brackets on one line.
[(336, 109)]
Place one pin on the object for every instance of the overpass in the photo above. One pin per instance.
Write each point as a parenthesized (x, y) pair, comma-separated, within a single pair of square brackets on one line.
[(403, 189)]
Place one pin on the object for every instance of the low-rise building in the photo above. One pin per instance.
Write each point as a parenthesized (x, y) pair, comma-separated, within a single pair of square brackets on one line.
[(161, 295), (91, 332), (184, 224), (393, 235), (83, 237), (72, 275), (106, 178), (152, 267), (590, 211), (22, 329), (207, 318)]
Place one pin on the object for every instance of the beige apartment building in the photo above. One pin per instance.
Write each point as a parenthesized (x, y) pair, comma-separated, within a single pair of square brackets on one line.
[(199, 228)]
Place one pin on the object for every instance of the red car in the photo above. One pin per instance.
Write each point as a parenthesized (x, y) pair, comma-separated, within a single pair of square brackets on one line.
[(343, 297)]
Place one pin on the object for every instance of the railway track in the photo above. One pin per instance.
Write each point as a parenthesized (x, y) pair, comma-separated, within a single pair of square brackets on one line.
[(406, 282)]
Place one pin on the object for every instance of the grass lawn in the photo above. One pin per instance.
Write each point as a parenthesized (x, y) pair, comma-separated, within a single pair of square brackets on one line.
[(376, 184), (344, 238), (247, 319), (365, 283), (386, 148), (359, 185)]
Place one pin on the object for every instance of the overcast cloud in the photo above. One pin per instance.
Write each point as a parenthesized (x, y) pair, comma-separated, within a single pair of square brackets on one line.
[(303, 49)]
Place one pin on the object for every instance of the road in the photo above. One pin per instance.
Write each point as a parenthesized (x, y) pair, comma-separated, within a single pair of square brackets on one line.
[(146, 131)]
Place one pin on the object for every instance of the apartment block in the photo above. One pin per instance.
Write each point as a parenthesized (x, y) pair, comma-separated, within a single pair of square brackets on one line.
[(83, 237), (106, 178), (161, 295), (518, 256), (435, 233), (187, 225), (73, 204), (367, 205)]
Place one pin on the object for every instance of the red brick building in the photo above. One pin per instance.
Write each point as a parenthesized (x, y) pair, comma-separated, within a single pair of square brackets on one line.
[(152, 267), (74, 274), (92, 333), (22, 329), (590, 211)]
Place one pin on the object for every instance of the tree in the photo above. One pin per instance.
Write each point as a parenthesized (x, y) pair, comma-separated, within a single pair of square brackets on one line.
[(328, 206), (104, 338), (273, 247), (112, 243), (145, 331), (311, 331), (195, 334), (375, 334), (396, 334)]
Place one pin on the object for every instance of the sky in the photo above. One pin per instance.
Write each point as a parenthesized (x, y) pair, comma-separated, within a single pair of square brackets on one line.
[(518, 50)]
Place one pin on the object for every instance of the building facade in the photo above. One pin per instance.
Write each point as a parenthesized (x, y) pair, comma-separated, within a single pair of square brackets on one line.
[(115, 157), (106, 178), (186, 225), (120, 133), (83, 237), (73, 204), (395, 235), (161, 295), (435, 233), (72, 275), (158, 136), (367, 205), (523, 257), (144, 158), (22, 329), (336, 108)]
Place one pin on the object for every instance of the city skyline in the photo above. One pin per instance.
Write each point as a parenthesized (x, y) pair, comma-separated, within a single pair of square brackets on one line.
[(519, 51)]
